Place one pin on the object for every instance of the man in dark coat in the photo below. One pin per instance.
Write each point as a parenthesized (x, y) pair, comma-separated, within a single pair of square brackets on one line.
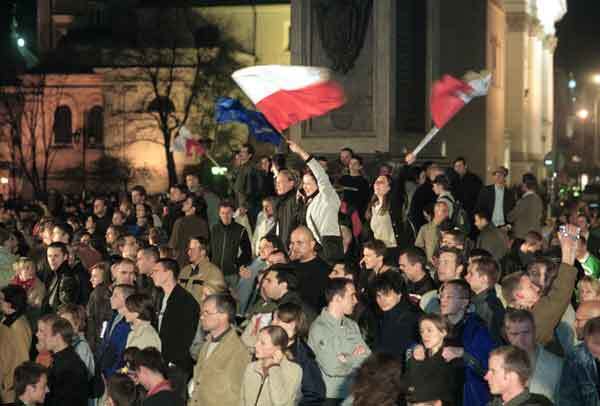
[(63, 286), (496, 199), (423, 196), (190, 225), (286, 206), (178, 317)]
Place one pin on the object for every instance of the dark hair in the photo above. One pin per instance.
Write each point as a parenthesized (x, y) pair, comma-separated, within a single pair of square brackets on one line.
[(376, 246), (415, 255), (66, 229), (378, 381), (151, 252), (543, 282), (483, 214), (250, 148), (443, 181), (59, 245), (151, 358), (279, 337), (182, 188), (28, 373), (515, 360), (385, 204), (126, 290), (63, 328), (293, 312), (480, 252), (391, 281), (461, 285), (16, 296), (227, 203), (140, 189), (142, 304), (170, 265), (285, 273), (459, 159), (358, 158), (77, 312), (460, 260), (518, 316), (120, 388), (204, 243), (336, 287), (489, 268), (347, 149), (530, 181), (592, 327), (198, 203), (224, 303)]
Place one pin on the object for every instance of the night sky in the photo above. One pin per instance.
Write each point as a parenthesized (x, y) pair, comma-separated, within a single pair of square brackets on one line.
[(579, 37)]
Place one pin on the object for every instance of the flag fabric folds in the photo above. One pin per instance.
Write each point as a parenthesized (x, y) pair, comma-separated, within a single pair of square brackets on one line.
[(449, 95), (229, 110), (185, 142), (287, 95)]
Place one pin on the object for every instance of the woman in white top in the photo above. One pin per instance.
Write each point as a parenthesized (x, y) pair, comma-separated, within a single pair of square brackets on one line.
[(381, 213), (271, 380), (138, 311)]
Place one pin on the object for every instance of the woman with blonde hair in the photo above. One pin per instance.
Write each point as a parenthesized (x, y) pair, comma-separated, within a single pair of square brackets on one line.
[(25, 276), (272, 379), (588, 289)]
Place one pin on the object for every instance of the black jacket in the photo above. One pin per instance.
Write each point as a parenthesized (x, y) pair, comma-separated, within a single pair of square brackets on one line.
[(286, 216), (434, 378), (98, 312), (487, 200), (422, 197), (230, 247), (67, 380), (490, 309), (178, 328), (63, 287), (466, 190), (397, 329), (162, 398), (312, 385), (313, 277)]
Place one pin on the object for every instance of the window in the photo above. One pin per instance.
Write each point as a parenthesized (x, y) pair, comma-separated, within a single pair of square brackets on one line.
[(63, 127), (161, 104), (94, 126)]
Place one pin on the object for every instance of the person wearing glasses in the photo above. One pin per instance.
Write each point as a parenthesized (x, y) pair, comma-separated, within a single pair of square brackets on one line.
[(223, 358)]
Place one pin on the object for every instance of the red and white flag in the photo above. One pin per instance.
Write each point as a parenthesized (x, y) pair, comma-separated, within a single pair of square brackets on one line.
[(449, 95), (287, 95), (185, 142)]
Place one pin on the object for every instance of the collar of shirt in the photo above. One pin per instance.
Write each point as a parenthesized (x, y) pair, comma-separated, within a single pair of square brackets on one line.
[(220, 336)]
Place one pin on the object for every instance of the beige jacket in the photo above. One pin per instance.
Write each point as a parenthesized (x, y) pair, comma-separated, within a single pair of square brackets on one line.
[(281, 387), (143, 335), (209, 275), (218, 378), (14, 350)]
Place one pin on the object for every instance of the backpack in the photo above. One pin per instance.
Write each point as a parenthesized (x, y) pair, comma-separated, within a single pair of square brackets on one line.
[(460, 217)]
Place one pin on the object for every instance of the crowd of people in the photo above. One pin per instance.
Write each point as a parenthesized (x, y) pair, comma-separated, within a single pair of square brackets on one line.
[(308, 284)]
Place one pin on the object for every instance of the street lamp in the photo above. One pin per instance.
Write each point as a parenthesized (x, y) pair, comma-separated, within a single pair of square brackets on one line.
[(583, 114), (596, 78)]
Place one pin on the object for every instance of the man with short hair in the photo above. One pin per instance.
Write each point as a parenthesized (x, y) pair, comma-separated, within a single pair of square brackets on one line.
[(519, 329), (68, 375), (223, 358), (146, 260), (138, 195), (102, 216), (336, 340), (528, 211), (441, 188), (190, 225), (286, 206), (589, 263), (172, 211), (200, 271), (496, 199), (210, 211), (423, 195), (312, 271), (178, 316), (466, 185), (119, 218), (356, 187), (482, 275), (245, 186), (129, 246), (413, 264), (449, 266), (31, 384), (508, 376), (230, 246), (429, 235), (579, 383), (468, 338), (63, 286), (490, 237)]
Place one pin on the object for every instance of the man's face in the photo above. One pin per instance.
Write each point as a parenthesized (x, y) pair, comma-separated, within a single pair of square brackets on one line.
[(271, 287), (479, 222), (265, 248), (44, 330), (355, 165), (176, 195), (55, 257), (130, 248), (440, 212), (371, 260), (460, 168), (301, 246), (452, 301), (118, 219), (283, 184), (413, 272), (345, 157), (58, 235), (159, 275), (499, 178), (144, 263), (387, 300), (447, 269), (587, 293), (349, 299), (593, 345), (210, 318), (124, 274), (136, 197), (192, 182), (268, 208), (195, 251), (226, 215), (520, 334), (37, 393), (117, 300), (497, 376), (476, 280), (99, 208), (187, 206), (527, 293)]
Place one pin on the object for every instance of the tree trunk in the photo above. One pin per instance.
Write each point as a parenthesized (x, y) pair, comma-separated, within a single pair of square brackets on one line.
[(171, 169)]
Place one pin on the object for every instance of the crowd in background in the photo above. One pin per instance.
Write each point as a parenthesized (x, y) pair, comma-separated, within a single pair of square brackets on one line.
[(308, 283)]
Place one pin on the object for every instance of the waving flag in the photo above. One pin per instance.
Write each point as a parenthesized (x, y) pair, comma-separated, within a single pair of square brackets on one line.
[(449, 95), (289, 94), (231, 110), (185, 142)]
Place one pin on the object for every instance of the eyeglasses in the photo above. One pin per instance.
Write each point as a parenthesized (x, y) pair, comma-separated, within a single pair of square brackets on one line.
[(207, 313)]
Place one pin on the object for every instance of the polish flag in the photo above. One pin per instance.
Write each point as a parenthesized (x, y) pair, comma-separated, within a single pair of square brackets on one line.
[(287, 95), (449, 95)]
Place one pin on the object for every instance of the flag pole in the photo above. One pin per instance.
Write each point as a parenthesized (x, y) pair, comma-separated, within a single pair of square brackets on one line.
[(426, 140)]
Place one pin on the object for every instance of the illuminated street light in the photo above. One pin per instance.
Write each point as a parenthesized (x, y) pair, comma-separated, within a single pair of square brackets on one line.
[(596, 78), (572, 84), (20, 42), (583, 114)]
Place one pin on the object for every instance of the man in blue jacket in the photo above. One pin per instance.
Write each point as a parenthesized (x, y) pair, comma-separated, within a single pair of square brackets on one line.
[(114, 333), (468, 339)]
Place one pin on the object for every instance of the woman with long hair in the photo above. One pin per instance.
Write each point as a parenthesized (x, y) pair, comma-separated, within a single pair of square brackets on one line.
[(384, 214), (272, 379), (138, 312), (292, 319)]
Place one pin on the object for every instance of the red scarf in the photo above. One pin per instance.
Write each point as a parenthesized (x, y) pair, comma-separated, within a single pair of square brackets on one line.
[(26, 284), (164, 385)]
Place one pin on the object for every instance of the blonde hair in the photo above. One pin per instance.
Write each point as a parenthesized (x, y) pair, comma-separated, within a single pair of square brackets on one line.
[(22, 263), (594, 284)]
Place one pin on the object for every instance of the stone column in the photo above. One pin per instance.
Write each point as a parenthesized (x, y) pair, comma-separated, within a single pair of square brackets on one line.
[(366, 122)]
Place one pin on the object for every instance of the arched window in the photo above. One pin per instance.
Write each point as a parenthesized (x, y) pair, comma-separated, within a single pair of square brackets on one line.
[(63, 127), (94, 126), (161, 104)]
